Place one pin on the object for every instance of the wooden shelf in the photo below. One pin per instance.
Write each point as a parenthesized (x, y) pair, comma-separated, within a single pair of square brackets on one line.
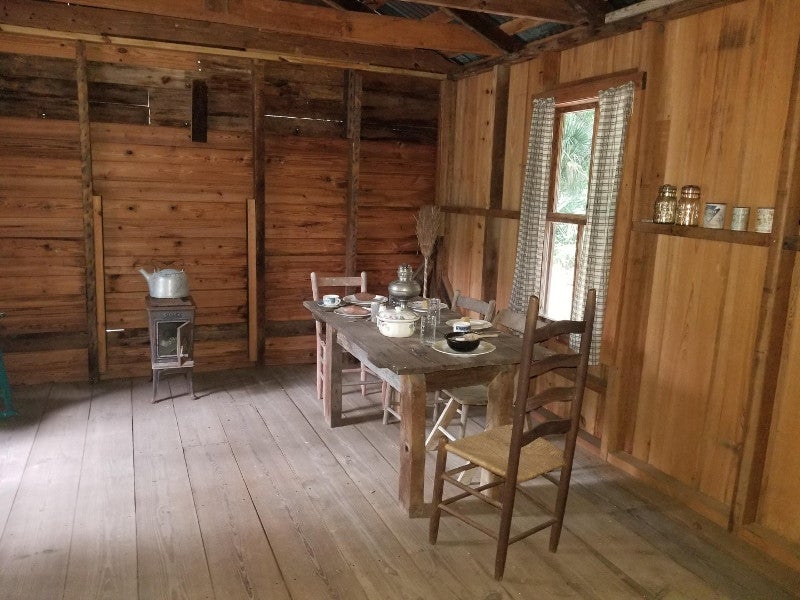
[(750, 238)]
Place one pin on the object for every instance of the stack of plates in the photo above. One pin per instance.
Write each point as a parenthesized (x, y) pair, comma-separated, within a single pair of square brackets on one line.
[(351, 299), (353, 312)]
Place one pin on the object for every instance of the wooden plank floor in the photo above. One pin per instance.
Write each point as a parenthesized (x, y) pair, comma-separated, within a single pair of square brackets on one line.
[(245, 493)]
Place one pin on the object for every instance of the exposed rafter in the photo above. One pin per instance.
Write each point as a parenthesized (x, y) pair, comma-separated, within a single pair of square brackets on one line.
[(56, 17), (325, 23), (483, 26), (556, 11)]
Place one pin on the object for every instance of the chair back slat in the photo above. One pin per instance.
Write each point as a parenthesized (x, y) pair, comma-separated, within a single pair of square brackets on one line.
[(554, 361), (510, 320), (485, 309), (550, 395), (318, 283), (557, 328), (536, 363), (554, 427)]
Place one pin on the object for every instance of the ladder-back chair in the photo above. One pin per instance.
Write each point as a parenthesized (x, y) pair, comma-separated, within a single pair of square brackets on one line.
[(517, 453), (342, 285)]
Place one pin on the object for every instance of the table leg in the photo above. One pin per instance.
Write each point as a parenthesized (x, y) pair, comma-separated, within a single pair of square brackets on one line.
[(501, 397), (412, 444), (332, 384)]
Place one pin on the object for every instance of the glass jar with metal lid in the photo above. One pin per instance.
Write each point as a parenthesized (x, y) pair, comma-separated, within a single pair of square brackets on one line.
[(688, 210), (666, 204)]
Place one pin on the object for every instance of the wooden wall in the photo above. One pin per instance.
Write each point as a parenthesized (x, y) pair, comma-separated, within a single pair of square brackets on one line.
[(165, 200), (308, 164), (42, 282), (680, 355)]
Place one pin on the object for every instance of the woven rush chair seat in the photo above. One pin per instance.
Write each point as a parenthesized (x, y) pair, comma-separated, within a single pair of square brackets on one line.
[(490, 450)]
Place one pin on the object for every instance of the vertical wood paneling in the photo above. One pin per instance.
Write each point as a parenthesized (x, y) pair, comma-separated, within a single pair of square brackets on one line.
[(778, 505)]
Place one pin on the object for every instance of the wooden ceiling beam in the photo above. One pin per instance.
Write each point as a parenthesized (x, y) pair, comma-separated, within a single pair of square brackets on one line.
[(519, 25), (483, 26), (103, 22), (279, 16), (576, 36), (556, 11)]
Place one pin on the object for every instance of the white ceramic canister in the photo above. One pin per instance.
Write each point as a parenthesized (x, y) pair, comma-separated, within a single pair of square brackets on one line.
[(739, 218), (714, 215), (764, 219)]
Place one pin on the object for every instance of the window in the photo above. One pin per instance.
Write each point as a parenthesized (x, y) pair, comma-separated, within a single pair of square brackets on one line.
[(573, 141), (566, 225)]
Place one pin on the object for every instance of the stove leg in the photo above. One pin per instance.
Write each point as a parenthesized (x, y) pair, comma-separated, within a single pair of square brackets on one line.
[(155, 384), (191, 384)]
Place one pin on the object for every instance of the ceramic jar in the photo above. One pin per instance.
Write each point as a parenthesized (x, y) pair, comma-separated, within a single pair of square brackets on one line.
[(397, 322)]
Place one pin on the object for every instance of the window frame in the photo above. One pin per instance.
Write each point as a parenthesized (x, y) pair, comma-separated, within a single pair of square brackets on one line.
[(553, 216)]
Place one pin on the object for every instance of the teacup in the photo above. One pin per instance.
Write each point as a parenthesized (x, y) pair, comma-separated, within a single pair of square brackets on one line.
[(462, 327), (330, 299)]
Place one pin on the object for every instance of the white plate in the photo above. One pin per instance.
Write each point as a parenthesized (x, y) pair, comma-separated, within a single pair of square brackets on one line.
[(483, 348), (341, 311), (351, 299), (476, 324), (417, 306)]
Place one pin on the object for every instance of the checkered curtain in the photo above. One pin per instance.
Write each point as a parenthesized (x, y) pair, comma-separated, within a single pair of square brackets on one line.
[(533, 211), (598, 235)]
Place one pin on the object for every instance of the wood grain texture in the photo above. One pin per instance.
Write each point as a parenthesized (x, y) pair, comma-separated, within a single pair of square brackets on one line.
[(324, 501)]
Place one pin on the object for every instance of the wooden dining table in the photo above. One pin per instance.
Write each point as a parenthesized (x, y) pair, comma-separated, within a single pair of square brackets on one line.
[(414, 369)]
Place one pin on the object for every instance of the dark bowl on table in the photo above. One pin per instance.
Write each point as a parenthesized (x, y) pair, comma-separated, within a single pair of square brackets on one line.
[(456, 342)]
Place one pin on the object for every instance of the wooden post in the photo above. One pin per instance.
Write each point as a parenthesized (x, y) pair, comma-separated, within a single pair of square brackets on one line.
[(492, 226), (353, 87), (88, 209), (100, 287), (252, 282), (257, 272), (772, 319)]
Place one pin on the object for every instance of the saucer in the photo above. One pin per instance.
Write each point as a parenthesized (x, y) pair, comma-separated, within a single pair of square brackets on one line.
[(483, 348), (324, 306)]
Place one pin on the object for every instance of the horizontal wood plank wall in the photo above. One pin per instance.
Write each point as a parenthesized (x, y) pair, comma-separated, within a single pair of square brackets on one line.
[(167, 199), (42, 262), (306, 183), (305, 178), (170, 202), (397, 178)]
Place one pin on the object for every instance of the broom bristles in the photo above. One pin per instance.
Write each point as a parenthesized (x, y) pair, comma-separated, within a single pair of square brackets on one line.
[(428, 224)]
